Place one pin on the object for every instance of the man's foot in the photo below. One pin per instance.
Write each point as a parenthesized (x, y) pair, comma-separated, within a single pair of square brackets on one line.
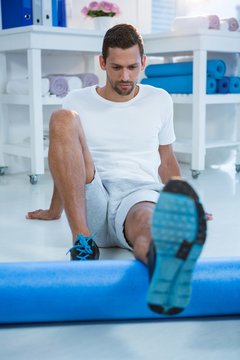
[(178, 235), (84, 248)]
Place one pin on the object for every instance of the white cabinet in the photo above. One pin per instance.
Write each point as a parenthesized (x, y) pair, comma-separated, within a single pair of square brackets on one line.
[(36, 42), (198, 45)]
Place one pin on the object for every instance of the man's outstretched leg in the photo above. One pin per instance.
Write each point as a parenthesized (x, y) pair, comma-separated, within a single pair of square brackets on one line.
[(169, 238)]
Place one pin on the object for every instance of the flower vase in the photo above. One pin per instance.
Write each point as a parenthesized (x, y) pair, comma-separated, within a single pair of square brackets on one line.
[(102, 23)]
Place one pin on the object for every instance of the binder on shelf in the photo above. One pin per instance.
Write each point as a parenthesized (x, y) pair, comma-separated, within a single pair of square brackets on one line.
[(37, 12), (16, 13), (59, 14), (47, 13), (62, 17), (54, 12), (0, 16)]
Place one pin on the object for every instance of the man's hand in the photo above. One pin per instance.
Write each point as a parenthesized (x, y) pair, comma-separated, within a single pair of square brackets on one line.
[(42, 215)]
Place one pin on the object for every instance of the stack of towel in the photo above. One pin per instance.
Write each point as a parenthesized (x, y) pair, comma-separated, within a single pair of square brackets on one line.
[(195, 23), (58, 85), (177, 78)]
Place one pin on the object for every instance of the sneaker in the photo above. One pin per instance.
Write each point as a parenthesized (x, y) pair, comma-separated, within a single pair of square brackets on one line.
[(84, 248), (178, 234)]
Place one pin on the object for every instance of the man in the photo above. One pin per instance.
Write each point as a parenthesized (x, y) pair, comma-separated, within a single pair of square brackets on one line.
[(108, 147)]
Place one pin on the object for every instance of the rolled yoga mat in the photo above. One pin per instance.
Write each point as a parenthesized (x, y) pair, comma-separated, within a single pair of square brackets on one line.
[(228, 85), (215, 68), (107, 290), (179, 84)]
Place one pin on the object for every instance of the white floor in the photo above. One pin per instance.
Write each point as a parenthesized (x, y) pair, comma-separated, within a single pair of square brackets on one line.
[(25, 240)]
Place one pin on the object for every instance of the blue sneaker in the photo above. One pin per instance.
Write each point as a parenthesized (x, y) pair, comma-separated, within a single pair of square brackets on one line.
[(178, 234), (84, 248)]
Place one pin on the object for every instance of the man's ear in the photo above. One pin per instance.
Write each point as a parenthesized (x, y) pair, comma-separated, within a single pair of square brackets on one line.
[(102, 62), (143, 63)]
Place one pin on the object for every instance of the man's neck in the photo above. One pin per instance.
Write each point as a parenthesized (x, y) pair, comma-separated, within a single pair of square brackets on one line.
[(108, 94)]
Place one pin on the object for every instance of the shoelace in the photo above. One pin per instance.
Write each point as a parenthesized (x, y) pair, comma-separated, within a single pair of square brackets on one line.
[(82, 246)]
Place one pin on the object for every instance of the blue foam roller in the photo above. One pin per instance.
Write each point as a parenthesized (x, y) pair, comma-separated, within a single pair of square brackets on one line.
[(107, 290), (223, 85), (182, 84), (234, 86), (215, 68), (228, 84)]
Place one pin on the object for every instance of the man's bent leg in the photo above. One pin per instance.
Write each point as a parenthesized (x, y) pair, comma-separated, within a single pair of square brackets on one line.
[(71, 166)]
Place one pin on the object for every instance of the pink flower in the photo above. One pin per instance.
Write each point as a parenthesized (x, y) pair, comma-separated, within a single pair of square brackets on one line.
[(102, 8), (84, 10), (105, 6), (115, 9), (93, 5)]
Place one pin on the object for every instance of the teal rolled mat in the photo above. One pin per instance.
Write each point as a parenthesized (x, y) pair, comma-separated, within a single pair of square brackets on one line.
[(107, 290), (179, 84), (215, 68)]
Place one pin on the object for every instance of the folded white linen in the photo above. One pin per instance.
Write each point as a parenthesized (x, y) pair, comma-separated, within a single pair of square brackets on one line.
[(194, 23), (21, 86)]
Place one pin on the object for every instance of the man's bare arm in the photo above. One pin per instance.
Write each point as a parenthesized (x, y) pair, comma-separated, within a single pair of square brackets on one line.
[(169, 166), (53, 213)]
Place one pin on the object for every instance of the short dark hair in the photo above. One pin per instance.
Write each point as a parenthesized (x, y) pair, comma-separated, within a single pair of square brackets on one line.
[(122, 36)]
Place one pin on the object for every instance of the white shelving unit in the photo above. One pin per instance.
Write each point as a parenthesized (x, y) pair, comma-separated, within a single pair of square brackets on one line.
[(198, 45), (35, 41)]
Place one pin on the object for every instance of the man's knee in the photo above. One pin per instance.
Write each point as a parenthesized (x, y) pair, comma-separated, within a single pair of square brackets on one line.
[(62, 119), (139, 218)]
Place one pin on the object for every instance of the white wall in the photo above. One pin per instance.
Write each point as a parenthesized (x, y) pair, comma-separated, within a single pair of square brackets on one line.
[(136, 12), (222, 8)]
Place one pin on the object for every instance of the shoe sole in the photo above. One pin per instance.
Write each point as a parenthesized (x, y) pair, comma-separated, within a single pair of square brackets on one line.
[(179, 232)]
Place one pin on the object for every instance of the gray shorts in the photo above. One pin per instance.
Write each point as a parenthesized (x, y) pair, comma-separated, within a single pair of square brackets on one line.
[(108, 204)]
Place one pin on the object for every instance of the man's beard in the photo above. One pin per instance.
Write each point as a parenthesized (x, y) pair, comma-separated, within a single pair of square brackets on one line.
[(119, 90)]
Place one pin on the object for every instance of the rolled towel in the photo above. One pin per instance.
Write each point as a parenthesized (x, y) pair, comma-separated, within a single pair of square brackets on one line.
[(74, 82), (88, 79), (182, 84), (21, 86), (194, 23), (215, 68), (231, 23), (58, 85)]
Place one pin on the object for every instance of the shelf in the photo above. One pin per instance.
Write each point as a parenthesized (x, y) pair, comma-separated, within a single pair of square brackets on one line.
[(208, 99), (185, 145), (14, 99), (52, 100), (19, 99), (20, 150)]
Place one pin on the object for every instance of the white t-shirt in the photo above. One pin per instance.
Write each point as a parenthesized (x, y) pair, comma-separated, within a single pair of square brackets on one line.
[(123, 137)]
